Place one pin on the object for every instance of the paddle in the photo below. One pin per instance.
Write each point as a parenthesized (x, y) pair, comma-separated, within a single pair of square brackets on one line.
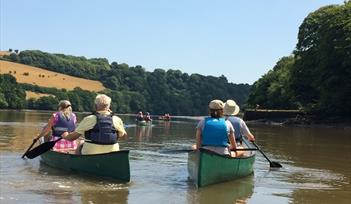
[(41, 149), (273, 164), (34, 141)]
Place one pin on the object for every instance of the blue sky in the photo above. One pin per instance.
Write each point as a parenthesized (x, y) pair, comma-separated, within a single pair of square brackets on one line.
[(240, 39)]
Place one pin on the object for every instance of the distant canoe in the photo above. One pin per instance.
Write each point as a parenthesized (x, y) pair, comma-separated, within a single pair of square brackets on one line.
[(111, 165), (206, 167), (164, 118)]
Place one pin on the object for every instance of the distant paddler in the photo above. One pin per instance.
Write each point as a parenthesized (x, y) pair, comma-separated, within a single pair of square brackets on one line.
[(139, 116), (165, 117), (147, 117)]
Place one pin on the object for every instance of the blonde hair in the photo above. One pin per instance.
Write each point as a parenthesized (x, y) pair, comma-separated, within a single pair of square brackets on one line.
[(65, 107), (102, 101)]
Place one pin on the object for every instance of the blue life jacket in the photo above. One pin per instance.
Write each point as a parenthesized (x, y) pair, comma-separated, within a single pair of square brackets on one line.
[(103, 132), (236, 124), (63, 124), (215, 132)]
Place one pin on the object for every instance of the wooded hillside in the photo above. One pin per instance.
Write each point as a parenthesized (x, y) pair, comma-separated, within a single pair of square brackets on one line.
[(131, 88)]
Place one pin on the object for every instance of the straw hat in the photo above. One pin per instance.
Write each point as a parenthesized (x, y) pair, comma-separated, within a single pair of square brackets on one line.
[(64, 104), (216, 104), (230, 108)]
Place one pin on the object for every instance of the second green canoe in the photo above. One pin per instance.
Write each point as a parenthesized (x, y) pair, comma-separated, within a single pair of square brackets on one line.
[(144, 123), (206, 167), (111, 165)]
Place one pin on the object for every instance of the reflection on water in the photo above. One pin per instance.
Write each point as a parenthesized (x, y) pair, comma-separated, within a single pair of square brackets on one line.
[(143, 133), (238, 191), (316, 167)]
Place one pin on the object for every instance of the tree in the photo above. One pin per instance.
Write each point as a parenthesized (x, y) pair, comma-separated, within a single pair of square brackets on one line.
[(11, 94), (46, 103), (321, 76)]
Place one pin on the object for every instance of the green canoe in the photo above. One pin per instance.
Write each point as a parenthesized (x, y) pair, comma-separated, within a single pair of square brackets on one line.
[(111, 165), (144, 123), (206, 167)]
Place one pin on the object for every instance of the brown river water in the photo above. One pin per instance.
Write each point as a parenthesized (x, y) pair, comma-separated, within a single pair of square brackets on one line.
[(316, 167)]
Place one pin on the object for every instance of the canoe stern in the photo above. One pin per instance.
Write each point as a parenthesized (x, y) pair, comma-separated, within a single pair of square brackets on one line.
[(111, 165), (207, 168)]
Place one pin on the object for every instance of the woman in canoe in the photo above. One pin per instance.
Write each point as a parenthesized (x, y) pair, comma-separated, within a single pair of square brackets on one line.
[(100, 130), (231, 109), (61, 121), (214, 132), (147, 117), (139, 116)]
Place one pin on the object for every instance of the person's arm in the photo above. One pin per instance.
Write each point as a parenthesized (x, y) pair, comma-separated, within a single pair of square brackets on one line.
[(198, 138), (86, 124), (231, 136), (118, 124), (70, 136), (47, 128), (251, 137), (245, 130), (199, 128)]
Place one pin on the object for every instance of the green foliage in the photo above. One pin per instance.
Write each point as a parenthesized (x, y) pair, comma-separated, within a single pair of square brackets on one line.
[(81, 100), (12, 95), (169, 91), (321, 76), (75, 66), (46, 103), (3, 102), (272, 89), (317, 77), (132, 89)]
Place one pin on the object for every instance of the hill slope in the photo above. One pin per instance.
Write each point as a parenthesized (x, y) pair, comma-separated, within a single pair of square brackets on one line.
[(41, 77)]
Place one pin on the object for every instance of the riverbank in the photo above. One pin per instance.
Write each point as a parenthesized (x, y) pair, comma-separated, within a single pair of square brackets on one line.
[(292, 118)]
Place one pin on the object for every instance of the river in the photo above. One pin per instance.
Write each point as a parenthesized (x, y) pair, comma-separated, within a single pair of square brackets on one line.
[(316, 167)]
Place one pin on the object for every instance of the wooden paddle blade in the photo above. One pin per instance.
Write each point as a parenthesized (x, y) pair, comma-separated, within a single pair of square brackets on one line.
[(41, 149), (274, 164)]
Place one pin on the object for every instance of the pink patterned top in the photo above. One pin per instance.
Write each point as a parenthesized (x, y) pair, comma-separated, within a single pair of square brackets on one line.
[(63, 144)]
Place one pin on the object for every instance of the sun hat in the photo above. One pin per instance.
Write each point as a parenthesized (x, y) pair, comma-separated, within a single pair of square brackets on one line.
[(64, 104), (231, 108), (216, 104)]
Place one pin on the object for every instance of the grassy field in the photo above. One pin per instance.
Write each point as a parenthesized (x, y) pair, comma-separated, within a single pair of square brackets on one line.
[(41, 77), (35, 95), (2, 53)]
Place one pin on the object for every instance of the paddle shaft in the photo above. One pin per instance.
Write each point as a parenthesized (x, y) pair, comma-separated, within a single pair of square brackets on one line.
[(41, 149), (272, 164), (190, 150), (34, 141)]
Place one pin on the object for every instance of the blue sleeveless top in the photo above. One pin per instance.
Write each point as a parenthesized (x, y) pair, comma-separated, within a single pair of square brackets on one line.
[(215, 132), (235, 121)]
